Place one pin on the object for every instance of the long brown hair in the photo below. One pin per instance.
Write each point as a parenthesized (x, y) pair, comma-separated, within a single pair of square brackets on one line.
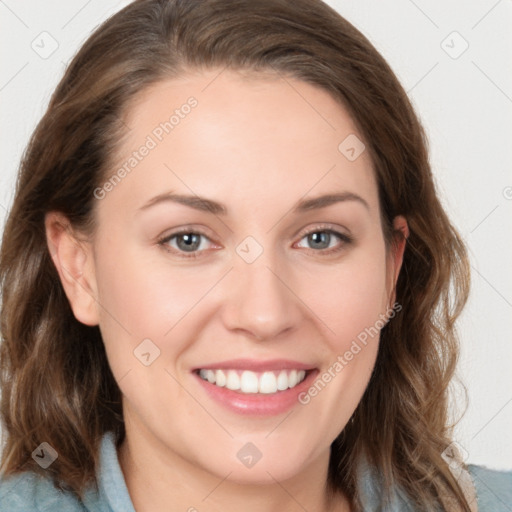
[(55, 380)]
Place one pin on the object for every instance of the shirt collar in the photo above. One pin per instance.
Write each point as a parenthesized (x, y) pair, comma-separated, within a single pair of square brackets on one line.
[(113, 494)]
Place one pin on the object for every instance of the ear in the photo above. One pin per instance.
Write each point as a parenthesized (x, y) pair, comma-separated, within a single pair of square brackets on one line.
[(74, 263), (397, 249)]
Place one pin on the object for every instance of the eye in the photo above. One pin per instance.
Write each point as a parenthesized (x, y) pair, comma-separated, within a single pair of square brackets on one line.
[(325, 241), (185, 243)]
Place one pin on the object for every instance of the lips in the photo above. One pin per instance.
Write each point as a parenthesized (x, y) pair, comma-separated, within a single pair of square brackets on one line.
[(255, 387), (257, 366)]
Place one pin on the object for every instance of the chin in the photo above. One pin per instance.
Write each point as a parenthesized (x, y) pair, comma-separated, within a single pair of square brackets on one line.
[(260, 473)]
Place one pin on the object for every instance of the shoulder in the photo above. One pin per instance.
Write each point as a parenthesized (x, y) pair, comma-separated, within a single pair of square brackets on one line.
[(29, 491), (493, 488), (33, 492)]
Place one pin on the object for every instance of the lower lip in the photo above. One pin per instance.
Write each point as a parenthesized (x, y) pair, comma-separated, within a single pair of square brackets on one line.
[(257, 404)]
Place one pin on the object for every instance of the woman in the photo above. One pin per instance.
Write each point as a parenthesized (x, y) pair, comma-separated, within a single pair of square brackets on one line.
[(226, 274)]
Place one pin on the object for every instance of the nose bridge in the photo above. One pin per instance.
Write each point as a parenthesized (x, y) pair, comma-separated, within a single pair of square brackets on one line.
[(260, 303)]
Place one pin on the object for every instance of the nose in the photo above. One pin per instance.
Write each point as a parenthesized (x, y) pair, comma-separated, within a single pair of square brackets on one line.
[(260, 300)]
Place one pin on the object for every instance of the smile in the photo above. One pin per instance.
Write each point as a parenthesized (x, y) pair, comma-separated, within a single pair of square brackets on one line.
[(249, 382)]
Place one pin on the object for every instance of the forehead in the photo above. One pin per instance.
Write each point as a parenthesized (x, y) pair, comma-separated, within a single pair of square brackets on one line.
[(240, 138)]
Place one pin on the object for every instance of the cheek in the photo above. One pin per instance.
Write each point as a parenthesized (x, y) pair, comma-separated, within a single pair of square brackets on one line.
[(147, 295), (349, 299), (144, 296), (351, 303)]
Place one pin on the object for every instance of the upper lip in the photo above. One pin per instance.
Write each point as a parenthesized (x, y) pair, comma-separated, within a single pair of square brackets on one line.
[(257, 365)]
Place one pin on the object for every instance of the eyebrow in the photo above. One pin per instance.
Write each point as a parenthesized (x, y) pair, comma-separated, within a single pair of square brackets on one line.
[(208, 205)]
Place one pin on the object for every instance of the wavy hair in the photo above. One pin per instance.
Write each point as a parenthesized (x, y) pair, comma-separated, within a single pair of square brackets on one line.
[(55, 380)]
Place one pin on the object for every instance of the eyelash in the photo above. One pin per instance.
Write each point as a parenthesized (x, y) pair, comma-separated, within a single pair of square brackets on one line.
[(345, 239)]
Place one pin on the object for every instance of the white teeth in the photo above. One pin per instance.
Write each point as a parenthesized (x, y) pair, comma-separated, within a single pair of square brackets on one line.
[(249, 382), (282, 381), (220, 378), (268, 383), (254, 382), (233, 380), (292, 378)]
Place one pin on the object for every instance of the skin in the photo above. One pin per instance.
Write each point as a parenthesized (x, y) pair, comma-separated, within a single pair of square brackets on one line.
[(258, 145)]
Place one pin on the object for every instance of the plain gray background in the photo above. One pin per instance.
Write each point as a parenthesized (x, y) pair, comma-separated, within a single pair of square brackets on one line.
[(453, 58)]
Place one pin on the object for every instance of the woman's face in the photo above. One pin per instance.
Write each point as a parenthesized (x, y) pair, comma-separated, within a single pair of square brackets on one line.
[(266, 282)]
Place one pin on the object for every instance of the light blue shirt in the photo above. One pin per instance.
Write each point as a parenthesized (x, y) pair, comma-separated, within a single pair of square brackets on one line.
[(30, 492)]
